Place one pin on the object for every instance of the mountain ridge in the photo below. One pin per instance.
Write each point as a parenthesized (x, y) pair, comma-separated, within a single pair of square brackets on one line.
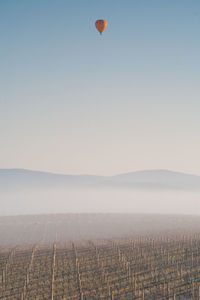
[(83, 174), (143, 179)]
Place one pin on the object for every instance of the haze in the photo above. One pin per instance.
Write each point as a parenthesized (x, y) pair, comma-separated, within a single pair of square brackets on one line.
[(99, 200)]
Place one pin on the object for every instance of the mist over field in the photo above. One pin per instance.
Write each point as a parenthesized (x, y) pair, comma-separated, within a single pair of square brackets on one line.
[(156, 191), (98, 200)]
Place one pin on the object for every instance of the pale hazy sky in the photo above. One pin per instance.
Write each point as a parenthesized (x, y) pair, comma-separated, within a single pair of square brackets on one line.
[(72, 101)]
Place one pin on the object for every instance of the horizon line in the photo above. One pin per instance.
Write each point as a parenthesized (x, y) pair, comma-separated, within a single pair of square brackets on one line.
[(86, 174)]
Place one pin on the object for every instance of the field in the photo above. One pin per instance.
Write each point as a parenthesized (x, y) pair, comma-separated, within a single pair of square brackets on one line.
[(160, 265)]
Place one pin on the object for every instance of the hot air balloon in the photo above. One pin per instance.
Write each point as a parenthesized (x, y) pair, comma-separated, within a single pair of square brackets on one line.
[(101, 25)]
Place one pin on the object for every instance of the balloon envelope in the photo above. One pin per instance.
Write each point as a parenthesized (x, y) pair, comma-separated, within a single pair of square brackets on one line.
[(101, 25)]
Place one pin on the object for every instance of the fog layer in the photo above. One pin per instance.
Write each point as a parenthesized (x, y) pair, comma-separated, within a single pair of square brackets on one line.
[(98, 200)]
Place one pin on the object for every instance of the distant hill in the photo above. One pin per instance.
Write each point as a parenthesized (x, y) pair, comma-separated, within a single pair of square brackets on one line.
[(157, 179), (149, 179), (21, 178)]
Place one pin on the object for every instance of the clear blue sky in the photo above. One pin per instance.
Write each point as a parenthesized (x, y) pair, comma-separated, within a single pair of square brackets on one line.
[(72, 101)]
